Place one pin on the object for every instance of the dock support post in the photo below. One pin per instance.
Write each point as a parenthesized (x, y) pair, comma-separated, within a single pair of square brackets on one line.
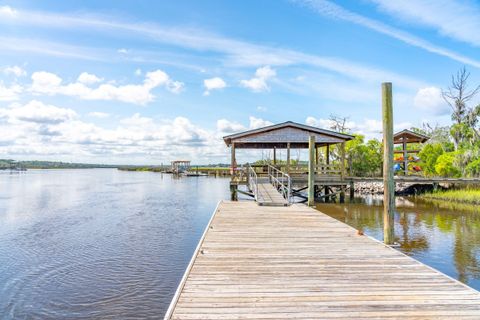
[(388, 181), (311, 171), (342, 194), (233, 192), (233, 162), (327, 161), (274, 156), (352, 190), (288, 157)]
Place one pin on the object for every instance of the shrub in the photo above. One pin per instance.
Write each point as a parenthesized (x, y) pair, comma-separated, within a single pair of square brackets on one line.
[(445, 166)]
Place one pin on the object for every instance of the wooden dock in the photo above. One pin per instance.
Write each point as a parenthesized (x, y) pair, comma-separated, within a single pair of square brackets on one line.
[(269, 196), (256, 262)]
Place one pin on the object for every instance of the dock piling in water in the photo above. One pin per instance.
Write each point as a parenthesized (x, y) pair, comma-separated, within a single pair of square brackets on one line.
[(388, 181)]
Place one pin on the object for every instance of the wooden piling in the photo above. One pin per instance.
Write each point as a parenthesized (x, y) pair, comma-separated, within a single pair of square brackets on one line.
[(311, 171), (388, 182), (233, 192), (233, 161), (288, 157)]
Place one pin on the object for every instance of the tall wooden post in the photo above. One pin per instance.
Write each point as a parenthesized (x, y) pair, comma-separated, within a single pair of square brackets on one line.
[(388, 182), (405, 157), (311, 171), (288, 157), (274, 155)]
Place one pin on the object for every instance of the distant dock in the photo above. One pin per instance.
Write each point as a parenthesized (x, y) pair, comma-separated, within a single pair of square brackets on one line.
[(293, 262)]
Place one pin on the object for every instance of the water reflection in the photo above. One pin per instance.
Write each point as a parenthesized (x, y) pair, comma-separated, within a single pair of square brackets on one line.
[(445, 236), (83, 244)]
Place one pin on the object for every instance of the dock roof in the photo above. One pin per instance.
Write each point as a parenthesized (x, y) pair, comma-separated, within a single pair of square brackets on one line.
[(409, 137), (279, 135)]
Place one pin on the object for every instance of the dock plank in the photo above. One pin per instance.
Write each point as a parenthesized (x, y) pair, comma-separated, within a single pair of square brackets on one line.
[(269, 196), (260, 262)]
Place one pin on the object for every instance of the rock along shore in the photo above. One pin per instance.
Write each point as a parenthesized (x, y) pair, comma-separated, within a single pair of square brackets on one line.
[(401, 188)]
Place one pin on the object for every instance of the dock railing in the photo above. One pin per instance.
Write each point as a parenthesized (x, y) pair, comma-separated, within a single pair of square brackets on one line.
[(252, 180), (321, 169), (281, 181)]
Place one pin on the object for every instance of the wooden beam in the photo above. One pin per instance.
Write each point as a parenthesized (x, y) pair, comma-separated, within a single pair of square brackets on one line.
[(388, 182), (274, 155), (311, 171), (405, 157)]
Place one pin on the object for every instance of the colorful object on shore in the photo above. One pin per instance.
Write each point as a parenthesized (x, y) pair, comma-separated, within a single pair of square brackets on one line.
[(397, 167), (417, 168)]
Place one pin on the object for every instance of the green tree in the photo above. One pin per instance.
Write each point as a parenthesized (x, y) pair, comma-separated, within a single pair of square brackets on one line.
[(429, 155), (364, 159), (445, 165)]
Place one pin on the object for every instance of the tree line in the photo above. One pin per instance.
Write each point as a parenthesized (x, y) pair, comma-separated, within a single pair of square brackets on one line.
[(451, 151)]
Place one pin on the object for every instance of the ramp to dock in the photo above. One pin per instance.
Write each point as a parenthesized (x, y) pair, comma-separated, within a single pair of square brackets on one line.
[(269, 196), (256, 262)]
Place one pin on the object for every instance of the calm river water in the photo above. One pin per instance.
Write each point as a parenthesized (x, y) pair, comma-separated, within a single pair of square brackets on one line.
[(102, 243)]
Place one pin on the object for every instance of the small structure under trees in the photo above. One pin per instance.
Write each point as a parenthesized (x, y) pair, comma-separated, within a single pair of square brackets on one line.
[(404, 138), (179, 166)]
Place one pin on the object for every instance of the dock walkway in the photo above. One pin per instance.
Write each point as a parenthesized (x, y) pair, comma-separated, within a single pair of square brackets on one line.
[(268, 195), (257, 262)]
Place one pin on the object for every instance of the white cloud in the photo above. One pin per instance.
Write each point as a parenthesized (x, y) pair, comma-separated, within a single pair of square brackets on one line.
[(98, 114), (215, 83), (40, 130), (15, 70), (261, 108), (88, 78), (11, 93), (370, 128), (175, 86), (335, 11), (138, 72), (235, 53), (459, 20), (49, 83), (430, 99), (38, 112), (225, 126), (259, 82), (7, 11), (256, 123), (122, 51)]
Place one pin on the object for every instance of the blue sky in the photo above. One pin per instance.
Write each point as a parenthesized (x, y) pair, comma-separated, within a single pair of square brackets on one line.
[(150, 81)]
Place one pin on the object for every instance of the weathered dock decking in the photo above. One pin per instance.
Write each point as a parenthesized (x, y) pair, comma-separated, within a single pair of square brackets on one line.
[(256, 262), (269, 196)]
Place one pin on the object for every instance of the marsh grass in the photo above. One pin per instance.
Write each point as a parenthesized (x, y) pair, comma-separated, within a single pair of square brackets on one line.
[(471, 196)]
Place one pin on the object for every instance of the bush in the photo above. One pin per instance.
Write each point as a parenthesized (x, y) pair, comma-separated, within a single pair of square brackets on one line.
[(473, 168), (429, 156), (445, 166)]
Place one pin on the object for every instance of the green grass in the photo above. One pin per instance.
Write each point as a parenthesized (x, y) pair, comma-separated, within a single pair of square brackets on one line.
[(462, 195)]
